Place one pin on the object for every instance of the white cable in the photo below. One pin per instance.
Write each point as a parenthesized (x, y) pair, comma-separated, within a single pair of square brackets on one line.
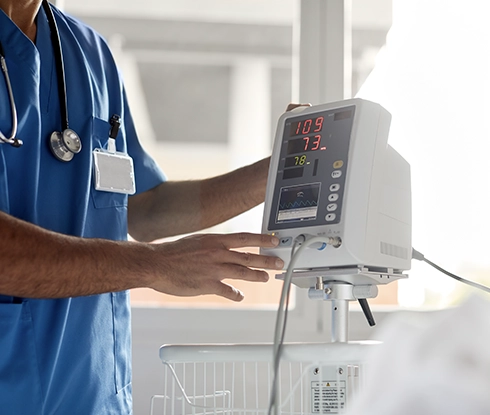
[(282, 310)]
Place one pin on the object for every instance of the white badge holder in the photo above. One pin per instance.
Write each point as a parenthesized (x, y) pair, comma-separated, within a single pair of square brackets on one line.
[(113, 170)]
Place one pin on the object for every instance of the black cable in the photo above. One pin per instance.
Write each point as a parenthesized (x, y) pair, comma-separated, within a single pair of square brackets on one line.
[(58, 55), (420, 257)]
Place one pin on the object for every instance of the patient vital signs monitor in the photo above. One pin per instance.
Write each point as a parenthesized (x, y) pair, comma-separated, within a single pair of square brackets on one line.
[(339, 200), (332, 173)]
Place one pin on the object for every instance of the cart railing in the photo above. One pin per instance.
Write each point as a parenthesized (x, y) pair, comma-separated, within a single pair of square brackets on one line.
[(236, 379)]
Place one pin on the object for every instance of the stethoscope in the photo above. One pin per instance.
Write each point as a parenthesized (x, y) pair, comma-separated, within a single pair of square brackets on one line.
[(65, 144)]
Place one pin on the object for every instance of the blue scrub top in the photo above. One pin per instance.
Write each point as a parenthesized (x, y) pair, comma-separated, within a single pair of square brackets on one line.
[(66, 356)]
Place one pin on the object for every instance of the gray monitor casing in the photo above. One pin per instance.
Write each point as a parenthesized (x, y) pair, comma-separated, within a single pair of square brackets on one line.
[(354, 186)]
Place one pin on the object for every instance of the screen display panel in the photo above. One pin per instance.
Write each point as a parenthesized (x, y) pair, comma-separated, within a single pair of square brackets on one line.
[(311, 173)]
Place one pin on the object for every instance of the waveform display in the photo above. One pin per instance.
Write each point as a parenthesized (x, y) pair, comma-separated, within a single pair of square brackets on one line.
[(298, 204), (299, 197)]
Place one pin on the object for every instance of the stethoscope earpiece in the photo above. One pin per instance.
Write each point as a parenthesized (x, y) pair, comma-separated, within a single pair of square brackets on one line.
[(65, 145)]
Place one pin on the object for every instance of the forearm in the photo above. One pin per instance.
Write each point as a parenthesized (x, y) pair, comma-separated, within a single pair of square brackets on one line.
[(37, 263), (176, 208)]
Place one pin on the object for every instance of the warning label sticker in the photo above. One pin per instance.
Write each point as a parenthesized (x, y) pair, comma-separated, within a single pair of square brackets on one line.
[(327, 397)]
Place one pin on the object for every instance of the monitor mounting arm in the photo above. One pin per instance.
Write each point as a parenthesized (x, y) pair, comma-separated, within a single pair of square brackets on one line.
[(342, 285)]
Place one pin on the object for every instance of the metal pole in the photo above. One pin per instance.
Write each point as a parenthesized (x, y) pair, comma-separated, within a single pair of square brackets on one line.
[(340, 321), (324, 43)]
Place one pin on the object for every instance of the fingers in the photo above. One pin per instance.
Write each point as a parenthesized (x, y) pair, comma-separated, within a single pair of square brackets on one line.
[(244, 240), (239, 272), (228, 291), (198, 264), (293, 105), (249, 260), (241, 240)]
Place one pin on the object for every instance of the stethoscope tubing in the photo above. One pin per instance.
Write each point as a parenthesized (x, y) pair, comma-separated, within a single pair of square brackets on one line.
[(13, 108), (62, 143), (60, 66)]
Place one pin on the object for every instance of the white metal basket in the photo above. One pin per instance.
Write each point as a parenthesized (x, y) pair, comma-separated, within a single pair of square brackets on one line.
[(237, 379)]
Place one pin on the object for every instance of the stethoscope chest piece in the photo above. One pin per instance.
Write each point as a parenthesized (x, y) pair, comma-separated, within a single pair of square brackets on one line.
[(65, 145)]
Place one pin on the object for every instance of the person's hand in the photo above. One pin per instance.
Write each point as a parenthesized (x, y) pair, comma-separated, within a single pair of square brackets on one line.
[(291, 106), (197, 264)]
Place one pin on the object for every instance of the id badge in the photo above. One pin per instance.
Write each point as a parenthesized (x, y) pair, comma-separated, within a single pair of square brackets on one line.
[(113, 172)]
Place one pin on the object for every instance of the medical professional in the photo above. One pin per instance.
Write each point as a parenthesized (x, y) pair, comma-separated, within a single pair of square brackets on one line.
[(65, 262)]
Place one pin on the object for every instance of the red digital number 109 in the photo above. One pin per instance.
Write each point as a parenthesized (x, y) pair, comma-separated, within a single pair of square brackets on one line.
[(304, 127)]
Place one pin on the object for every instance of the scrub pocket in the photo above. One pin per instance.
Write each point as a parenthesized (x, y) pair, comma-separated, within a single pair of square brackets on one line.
[(20, 385), (122, 339), (103, 200)]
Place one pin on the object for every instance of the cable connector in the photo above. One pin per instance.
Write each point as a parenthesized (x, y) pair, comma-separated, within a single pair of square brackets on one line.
[(335, 241), (300, 239), (321, 241), (417, 255)]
